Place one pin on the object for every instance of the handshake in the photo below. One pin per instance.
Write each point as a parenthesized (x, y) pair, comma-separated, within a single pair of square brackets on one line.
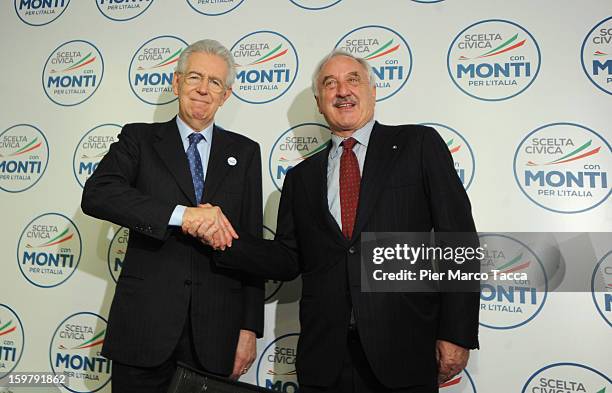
[(209, 224)]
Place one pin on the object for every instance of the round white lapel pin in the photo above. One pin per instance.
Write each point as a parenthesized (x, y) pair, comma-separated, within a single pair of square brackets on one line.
[(232, 161)]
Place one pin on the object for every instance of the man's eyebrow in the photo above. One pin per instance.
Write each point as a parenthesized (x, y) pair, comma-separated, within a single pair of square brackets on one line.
[(202, 75), (325, 78), (352, 73)]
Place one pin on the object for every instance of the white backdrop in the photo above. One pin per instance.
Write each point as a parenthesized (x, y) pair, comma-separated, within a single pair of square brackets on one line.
[(521, 92)]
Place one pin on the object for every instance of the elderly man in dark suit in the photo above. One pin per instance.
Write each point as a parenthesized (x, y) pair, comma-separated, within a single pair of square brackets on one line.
[(371, 178), (159, 180)]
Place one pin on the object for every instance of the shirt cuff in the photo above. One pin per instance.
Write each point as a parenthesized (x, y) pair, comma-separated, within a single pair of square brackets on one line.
[(176, 219)]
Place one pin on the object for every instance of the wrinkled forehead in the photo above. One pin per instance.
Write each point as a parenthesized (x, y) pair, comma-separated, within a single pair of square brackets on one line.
[(339, 66), (206, 62)]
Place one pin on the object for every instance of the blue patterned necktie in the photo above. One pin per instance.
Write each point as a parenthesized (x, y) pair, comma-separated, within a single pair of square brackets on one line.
[(195, 164)]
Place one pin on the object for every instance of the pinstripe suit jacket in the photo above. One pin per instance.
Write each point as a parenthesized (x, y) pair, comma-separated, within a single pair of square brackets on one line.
[(137, 185), (409, 184)]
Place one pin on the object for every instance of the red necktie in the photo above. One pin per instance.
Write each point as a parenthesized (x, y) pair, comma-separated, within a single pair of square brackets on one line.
[(349, 186)]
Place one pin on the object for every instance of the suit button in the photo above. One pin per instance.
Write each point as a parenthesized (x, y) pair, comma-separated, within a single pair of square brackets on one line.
[(352, 250), (187, 282)]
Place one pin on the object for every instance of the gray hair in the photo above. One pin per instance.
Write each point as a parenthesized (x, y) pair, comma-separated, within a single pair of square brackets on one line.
[(211, 47), (335, 53)]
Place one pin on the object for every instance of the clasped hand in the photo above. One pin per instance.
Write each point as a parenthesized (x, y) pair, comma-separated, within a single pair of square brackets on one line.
[(451, 358), (209, 224)]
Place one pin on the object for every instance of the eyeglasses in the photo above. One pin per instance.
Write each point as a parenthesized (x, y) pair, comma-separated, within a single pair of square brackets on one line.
[(214, 84)]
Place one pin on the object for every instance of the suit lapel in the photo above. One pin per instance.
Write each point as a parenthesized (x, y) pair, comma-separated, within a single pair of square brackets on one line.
[(380, 155), (171, 150), (315, 180), (217, 162)]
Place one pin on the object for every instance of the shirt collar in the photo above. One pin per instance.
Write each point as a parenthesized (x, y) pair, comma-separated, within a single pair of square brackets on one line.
[(362, 136), (185, 131)]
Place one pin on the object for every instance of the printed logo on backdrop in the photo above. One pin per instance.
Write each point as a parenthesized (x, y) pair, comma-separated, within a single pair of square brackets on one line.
[(563, 167), (596, 55), (12, 340), (75, 352), (91, 148), (116, 252), (462, 153), (40, 12), (72, 73), (49, 250), (266, 64), (567, 378), (294, 146), (276, 365), (214, 7), (152, 69), (493, 60), (511, 303), (123, 10), (461, 383), (272, 286), (315, 5), (601, 287), (386, 51), (24, 155)]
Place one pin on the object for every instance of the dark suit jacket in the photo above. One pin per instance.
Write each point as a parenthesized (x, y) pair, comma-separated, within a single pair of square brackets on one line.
[(137, 185), (409, 184)]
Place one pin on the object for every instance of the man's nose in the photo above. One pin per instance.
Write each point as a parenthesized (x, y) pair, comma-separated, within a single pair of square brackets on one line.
[(202, 88), (343, 89)]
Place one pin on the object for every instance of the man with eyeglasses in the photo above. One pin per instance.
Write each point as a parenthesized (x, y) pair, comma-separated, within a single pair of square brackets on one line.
[(371, 178), (160, 180)]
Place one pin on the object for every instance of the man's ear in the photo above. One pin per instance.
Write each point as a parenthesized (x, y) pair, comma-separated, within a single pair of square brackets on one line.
[(226, 95), (317, 99), (175, 83)]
